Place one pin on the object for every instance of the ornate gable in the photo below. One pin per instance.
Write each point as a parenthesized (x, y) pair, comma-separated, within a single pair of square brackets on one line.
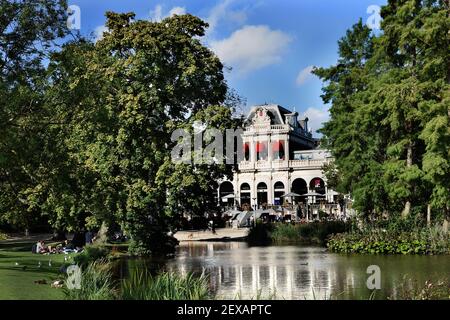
[(261, 118)]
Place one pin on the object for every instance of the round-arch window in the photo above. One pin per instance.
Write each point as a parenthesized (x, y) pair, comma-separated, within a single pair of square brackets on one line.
[(262, 186), (279, 186), (245, 187)]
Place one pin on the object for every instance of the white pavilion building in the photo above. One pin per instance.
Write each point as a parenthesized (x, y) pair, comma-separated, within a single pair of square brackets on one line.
[(280, 157)]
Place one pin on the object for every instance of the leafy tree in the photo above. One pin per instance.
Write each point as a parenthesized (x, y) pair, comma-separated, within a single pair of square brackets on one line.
[(356, 151), (121, 99), (395, 121), (28, 31)]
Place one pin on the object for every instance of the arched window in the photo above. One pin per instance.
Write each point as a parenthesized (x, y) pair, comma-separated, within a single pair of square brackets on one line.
[(261, 186), (279, 185), (245, 187), (245, 194), (278, 193), (299, 186), (261, 195), (226, 191), (317, 185)]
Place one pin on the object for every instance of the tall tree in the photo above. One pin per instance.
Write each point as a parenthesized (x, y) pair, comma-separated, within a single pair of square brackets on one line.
[(357, 153), (28, 30), (399, 114), (122, 98)]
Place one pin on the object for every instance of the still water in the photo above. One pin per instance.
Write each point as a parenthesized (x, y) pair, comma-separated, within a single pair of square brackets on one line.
[(236, 270)]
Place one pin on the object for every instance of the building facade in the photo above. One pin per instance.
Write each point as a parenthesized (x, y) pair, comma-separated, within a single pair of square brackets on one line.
[(280, 157)]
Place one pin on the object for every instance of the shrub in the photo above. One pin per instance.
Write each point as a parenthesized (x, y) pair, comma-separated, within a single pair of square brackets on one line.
[(3, 236), (260, 234), (96, 283), (90, 254), (315, 232), (285, 233), (165, 286), (409, 289), (392, 241)]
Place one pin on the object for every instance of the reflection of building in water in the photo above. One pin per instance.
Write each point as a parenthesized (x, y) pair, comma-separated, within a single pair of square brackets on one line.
[(282, 272)]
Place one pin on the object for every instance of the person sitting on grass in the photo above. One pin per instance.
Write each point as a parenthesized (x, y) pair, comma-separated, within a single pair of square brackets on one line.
[(41, 247), (69, 247), (37, 247)]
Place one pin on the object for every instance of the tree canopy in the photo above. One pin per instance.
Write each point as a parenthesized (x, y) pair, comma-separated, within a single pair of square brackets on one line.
[(107, 109), (389, 93)]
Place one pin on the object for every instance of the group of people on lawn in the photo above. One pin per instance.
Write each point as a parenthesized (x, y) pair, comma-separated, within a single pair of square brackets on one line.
[(64, 247)]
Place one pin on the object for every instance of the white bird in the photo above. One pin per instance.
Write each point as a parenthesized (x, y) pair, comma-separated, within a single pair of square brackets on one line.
[(49, 263), (16, 263)]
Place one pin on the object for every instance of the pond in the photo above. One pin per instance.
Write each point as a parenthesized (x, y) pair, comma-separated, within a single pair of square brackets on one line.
[(237, 271)]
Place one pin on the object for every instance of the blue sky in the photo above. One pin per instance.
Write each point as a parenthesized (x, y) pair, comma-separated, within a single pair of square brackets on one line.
[(270, 45)]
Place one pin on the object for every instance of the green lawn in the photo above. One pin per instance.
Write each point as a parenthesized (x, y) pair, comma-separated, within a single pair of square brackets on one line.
[(18, 281)]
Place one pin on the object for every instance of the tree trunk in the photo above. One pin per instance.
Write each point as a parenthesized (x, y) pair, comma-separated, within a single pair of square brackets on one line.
[(409, 163), (406, 210), (102, 235), (428, 215)]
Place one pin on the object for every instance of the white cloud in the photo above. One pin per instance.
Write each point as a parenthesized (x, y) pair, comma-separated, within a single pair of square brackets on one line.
[(251, 48), (316, 116), (158, 14), (222, 11), (177, 10), (98, 32), (304, 75)]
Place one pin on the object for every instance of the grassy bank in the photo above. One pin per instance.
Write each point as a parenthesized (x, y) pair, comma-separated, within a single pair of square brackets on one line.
[(281, 233), (21, 276)]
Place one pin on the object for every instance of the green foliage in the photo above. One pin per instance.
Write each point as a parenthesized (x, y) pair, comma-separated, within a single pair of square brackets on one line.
[(410, 289), (122, 98), (94, 145), (3, 236), (165, 286), (392, 241), (260, 233), (284, 232), (315, 232), (96, 284), (389, 129), (29, 30), (90, 254)]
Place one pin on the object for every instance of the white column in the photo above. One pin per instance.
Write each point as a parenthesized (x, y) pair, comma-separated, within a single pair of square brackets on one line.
[(252, 150), (254, 193), (287, 149), (269, 149)]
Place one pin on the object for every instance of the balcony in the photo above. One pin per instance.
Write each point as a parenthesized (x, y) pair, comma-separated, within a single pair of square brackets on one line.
[(258, 128), (246, 165), (312, 163), (283, 164)]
